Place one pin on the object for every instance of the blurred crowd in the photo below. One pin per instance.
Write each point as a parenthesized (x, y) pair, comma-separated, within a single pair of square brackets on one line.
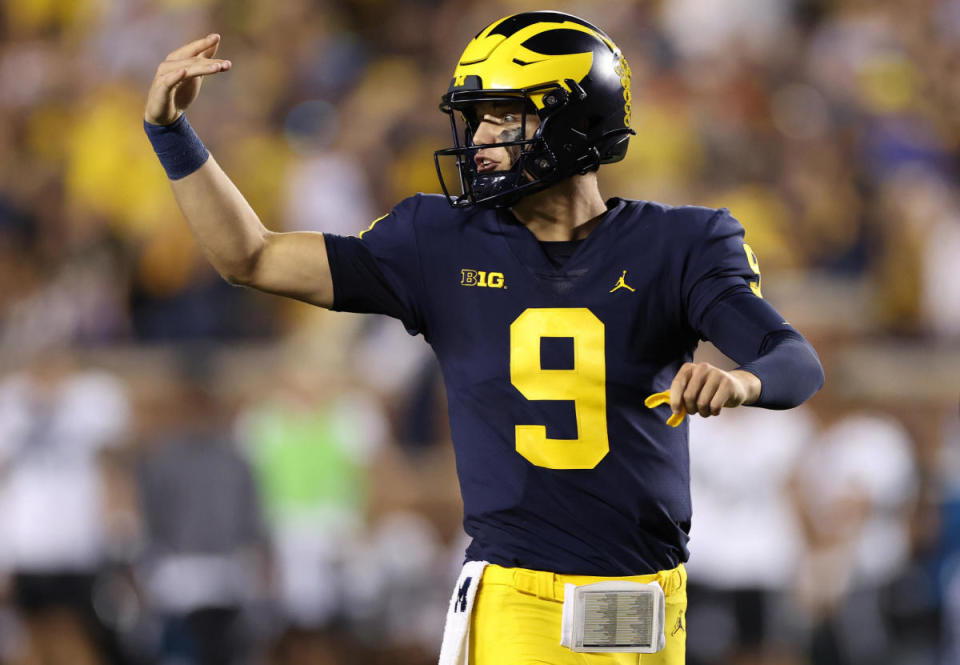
[(195, 473)]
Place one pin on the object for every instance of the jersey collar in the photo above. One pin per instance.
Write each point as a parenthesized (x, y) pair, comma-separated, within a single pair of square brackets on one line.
[(528, 251)]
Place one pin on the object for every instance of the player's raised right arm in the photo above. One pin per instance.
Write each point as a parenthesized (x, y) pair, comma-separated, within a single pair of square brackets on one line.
[(231, 234)]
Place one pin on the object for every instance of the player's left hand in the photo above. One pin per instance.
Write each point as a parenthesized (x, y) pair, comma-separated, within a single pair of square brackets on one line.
[(705, 389)]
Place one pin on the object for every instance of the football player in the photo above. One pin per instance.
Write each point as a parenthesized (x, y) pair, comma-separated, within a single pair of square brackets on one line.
[(555, 314)]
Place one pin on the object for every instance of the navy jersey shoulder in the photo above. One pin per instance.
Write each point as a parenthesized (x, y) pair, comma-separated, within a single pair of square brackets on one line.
[(379, 271), (710, 255), (561, 465)]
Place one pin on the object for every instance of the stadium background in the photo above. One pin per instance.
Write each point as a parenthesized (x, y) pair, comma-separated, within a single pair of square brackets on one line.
[(192, 472)]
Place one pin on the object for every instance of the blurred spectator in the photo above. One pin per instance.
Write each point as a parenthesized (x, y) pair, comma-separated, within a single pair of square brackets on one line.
[(393, 589), (746, 539), (856, 486), (310, 447), (204, 565), (329, 193), (55, 423)]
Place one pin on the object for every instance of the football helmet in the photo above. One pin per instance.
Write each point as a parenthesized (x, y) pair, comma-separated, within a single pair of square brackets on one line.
[(564, 69)]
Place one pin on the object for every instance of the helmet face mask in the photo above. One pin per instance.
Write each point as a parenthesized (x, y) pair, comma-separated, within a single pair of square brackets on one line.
[(574, 79), (531, 159)]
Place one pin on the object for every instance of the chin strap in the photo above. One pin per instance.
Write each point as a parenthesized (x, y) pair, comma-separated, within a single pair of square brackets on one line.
[(486, 185)]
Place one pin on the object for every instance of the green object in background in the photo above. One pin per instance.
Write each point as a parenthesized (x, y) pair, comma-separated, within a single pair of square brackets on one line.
[(303, 463)]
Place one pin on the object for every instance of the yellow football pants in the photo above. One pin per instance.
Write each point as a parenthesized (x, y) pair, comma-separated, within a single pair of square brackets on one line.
[(517, 612)]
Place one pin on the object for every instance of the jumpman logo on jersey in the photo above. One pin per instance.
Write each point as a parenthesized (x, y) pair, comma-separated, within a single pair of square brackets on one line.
[(679, 626), (621, 284)]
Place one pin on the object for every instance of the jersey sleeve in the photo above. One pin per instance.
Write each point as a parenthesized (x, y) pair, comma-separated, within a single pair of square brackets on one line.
[(749, 330), (718, 261), (724, 305), (378, 271)]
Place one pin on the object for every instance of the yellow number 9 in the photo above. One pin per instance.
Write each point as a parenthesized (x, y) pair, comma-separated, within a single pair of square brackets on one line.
[(755, 267), (585, 384)]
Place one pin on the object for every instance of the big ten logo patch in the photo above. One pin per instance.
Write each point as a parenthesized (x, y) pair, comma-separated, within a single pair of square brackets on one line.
[(492, 280)]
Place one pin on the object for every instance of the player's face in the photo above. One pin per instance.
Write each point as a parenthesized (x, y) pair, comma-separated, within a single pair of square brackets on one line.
[(500, 122)]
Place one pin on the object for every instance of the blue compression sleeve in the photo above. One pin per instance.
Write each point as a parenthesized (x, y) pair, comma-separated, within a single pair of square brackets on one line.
[(180, 150), (752, 332)]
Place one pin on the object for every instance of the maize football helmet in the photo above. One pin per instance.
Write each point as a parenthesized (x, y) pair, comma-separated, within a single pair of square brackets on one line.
[(568, 72)]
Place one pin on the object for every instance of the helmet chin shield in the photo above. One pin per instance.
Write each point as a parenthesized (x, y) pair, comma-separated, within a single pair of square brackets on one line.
[(556, 65)]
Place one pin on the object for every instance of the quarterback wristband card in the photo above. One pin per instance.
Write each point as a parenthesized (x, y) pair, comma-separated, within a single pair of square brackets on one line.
[(612, 617)]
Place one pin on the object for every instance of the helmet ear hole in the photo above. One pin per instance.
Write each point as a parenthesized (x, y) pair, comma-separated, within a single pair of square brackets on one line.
[(554, 98)]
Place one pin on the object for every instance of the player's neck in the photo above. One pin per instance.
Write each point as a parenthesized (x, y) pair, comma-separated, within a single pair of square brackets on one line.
[(566, 211)]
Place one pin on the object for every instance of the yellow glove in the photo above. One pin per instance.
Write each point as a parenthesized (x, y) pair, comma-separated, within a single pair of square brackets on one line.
[(657, 399)]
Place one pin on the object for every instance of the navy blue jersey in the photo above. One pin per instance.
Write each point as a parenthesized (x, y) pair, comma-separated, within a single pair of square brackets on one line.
[(561, 465)]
